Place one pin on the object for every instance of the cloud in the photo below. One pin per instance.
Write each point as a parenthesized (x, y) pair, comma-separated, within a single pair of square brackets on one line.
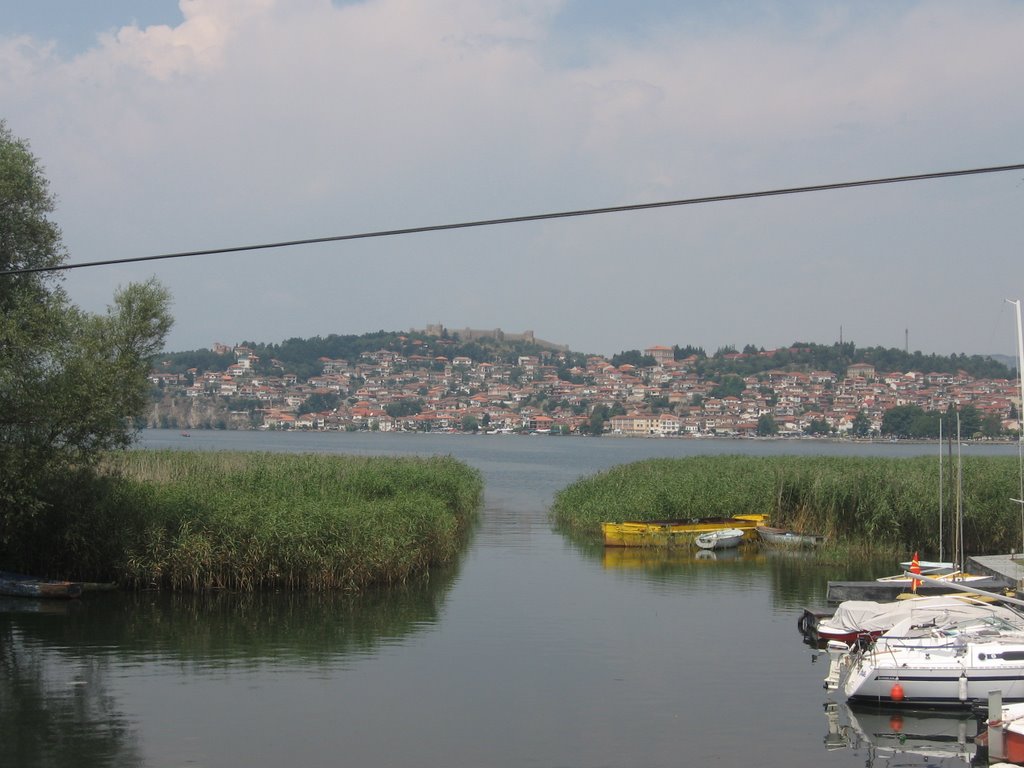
[(272, 120)]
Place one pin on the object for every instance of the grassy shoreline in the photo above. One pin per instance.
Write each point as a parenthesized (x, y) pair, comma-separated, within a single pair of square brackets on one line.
[(198, 521), (865, 505)]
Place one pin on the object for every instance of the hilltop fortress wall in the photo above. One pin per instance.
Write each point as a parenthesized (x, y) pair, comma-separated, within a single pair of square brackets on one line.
[(473, 334)]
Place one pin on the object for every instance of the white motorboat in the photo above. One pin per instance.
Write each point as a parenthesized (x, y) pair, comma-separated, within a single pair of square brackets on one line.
[(935, 663), (726, 538)]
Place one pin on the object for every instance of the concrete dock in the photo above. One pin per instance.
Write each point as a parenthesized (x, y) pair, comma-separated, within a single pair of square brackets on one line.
[(1009, 568), (1001, 572)]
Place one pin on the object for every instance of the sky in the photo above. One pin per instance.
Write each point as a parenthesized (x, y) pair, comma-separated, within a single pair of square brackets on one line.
[(167, 127)]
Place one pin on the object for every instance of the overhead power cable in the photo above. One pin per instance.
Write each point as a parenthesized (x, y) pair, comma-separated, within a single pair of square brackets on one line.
[(524, 219)]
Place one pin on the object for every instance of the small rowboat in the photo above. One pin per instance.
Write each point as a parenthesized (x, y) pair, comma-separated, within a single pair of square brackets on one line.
[(17, 585), (785, 538), (671, 533), (727, 538)]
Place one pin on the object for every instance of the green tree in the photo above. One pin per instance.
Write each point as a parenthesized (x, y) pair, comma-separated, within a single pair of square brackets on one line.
[(991, 425), (970, 421), (861, 426), (818, 427), (681, 353), (320, 401), (925, 425), (730, 385), (72, 384), (899, 421), (400, 408), (598, 417), (633, 357), (766, 425)]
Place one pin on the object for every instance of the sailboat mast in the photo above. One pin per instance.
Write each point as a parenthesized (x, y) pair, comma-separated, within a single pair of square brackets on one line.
[(958, 552), (940, 489), (1020, 416)]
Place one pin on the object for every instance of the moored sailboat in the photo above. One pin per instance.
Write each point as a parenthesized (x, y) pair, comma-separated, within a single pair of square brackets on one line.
[(945, 661)]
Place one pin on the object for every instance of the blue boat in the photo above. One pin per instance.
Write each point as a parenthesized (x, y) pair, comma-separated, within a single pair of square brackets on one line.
[(19, 585)]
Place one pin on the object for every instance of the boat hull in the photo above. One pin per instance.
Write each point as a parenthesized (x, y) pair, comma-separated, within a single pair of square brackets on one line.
[(672, 533), (729, 538), (17, 585), (938, 679), (779, 537)]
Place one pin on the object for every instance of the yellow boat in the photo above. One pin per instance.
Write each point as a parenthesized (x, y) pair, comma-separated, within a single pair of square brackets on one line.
[(675, 533)]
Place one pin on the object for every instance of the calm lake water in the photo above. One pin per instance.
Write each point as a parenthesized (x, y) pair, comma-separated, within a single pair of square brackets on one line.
[(532, 650)]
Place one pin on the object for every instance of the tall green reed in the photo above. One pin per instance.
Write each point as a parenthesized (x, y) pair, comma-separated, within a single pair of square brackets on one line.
[(862, 503), (246, 521)]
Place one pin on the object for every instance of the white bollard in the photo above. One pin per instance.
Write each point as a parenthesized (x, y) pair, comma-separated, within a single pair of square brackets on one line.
[(995, 726)]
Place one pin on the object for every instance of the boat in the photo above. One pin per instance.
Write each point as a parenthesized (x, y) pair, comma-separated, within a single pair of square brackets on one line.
[(726, 538), (19, 585), (1010, 721), (860, 621), (670, 533), (953, 663), (785, 538)]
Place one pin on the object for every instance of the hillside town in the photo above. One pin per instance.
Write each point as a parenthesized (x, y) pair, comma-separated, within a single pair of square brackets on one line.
[(388, 391)]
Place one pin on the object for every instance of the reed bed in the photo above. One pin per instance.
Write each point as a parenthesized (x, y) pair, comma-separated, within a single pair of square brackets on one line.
[(249, 521), (863, 505)]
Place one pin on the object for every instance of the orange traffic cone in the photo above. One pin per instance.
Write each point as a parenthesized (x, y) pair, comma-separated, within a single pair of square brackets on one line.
[(915, 567)]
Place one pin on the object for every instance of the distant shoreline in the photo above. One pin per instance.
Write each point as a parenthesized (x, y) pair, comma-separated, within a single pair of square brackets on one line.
[(607, 435)]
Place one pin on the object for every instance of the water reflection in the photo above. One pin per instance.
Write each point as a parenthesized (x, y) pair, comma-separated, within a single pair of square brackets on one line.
[(41, 696), (60, 660), (659, 559), (534, 653), (798, 577), (228, 628), (888, 737)]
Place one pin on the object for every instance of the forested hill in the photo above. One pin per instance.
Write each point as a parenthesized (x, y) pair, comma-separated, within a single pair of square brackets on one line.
[(838, 357), (303, 356)]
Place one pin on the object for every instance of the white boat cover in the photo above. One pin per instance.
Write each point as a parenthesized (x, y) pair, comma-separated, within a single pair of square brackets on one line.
[(869, 616)]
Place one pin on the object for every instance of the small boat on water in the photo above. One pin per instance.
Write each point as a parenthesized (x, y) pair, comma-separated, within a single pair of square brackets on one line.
[(19, 585), (726, 538), (781, 537), (670, 533)]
